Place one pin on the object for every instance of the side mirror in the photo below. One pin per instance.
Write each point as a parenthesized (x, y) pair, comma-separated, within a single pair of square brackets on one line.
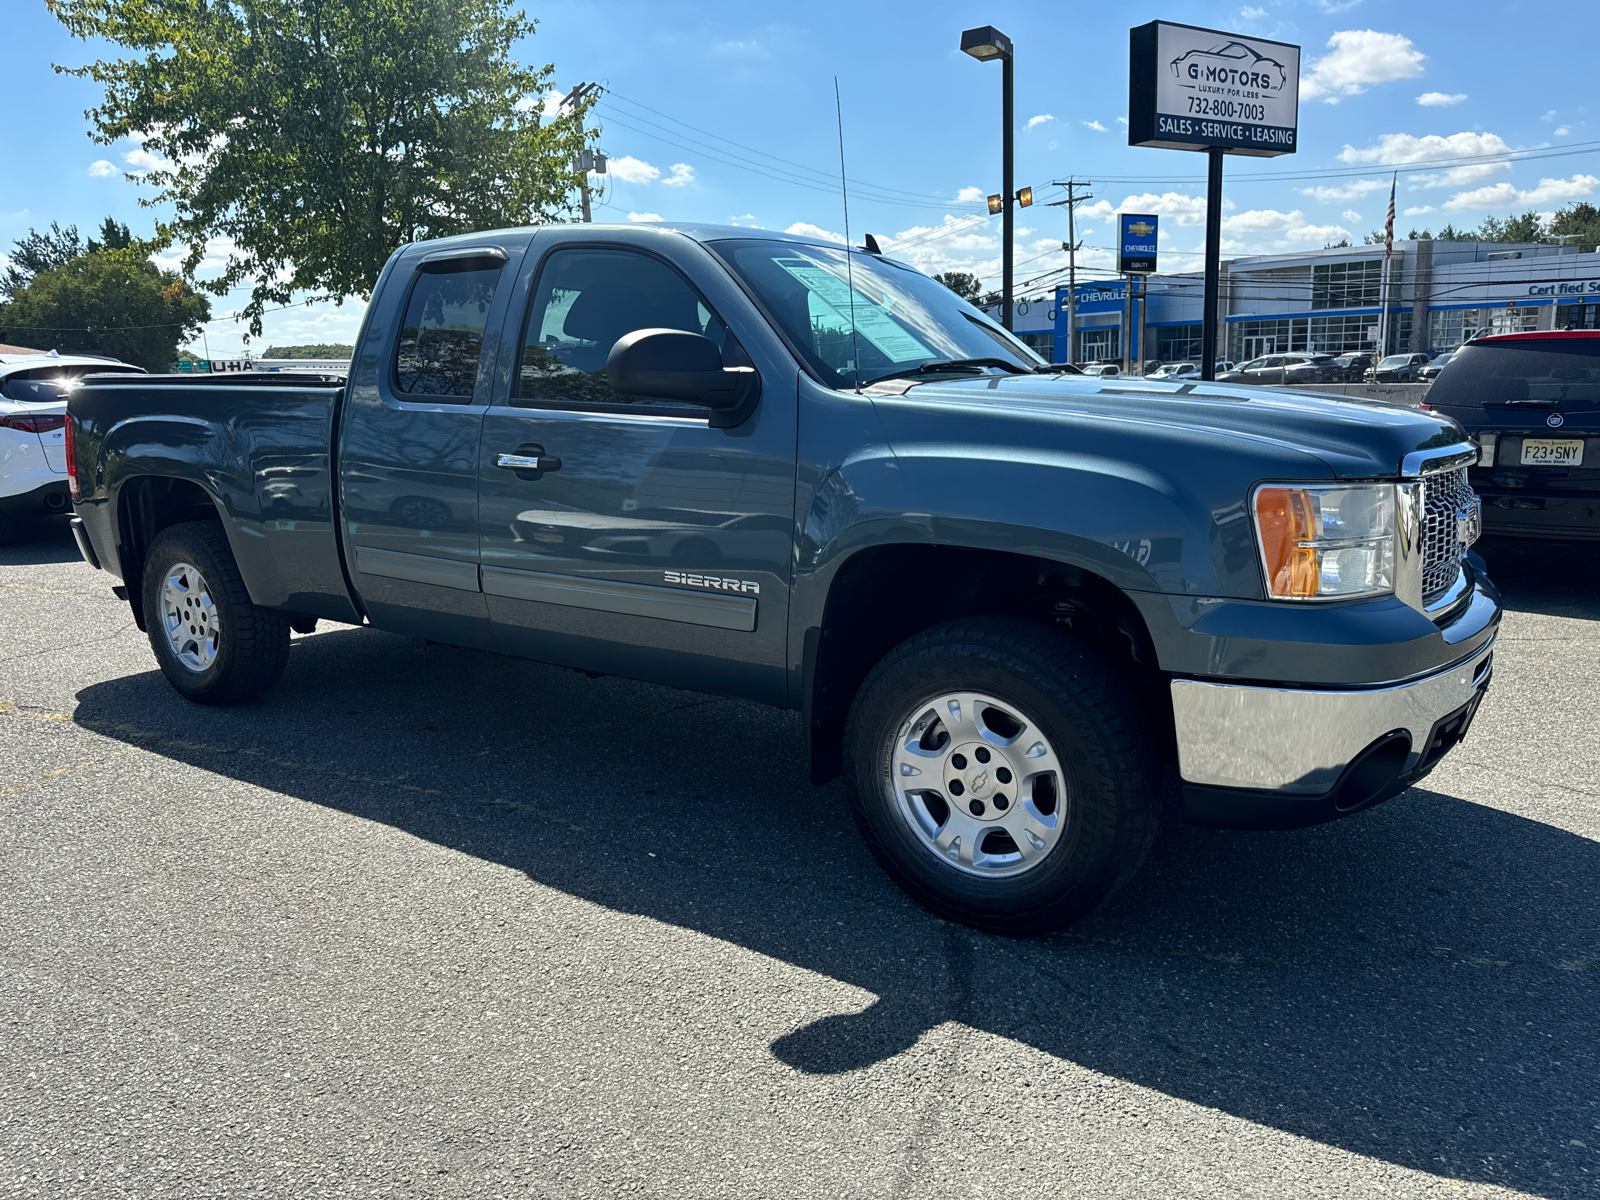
[(672, 364)]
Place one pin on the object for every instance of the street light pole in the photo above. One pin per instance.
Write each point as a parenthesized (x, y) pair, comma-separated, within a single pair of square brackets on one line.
[(984, 44)]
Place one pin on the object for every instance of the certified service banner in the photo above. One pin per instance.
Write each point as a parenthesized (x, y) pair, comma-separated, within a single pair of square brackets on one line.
[(1201, 89)]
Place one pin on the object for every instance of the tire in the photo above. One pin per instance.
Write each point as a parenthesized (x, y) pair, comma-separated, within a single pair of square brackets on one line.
[(1061, 731), (213, 644)]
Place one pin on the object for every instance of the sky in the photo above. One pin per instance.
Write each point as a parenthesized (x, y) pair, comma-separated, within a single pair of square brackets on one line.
[(724, 113)]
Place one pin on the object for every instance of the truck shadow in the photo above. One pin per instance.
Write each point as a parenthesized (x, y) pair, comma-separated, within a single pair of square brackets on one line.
[(35, 542), (1416, 984), (1556, 579)]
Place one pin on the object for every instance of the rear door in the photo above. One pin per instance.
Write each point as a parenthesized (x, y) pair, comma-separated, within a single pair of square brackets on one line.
[(409, 443), (661, 547)]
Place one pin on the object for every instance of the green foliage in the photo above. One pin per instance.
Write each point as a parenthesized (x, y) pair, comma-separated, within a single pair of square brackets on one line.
[(319, 137), (39, 252), (1526, 228), (104, 303), (1583, 220), (316, 350), (114, 235), (962, 283)]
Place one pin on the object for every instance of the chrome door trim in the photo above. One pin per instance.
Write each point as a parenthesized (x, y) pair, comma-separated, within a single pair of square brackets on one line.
[(631, 599), (418, 568)]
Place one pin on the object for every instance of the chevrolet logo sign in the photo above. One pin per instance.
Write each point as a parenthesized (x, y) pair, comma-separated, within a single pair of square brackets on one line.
[(1142, 228)]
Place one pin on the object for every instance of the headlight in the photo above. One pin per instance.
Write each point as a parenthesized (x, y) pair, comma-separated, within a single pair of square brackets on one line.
[(1326, 543)]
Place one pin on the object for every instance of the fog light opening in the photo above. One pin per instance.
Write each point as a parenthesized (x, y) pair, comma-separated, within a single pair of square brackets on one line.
[(1370, 777)]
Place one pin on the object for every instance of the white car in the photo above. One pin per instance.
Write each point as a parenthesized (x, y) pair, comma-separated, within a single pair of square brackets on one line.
[(1105, 370), (1186, 370), (33, 418)]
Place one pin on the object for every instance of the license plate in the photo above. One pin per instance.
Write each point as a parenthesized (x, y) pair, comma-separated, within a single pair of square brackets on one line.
[(1552, 452)]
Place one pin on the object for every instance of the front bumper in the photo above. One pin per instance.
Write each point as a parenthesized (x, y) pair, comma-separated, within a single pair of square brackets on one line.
[(1256, 757)]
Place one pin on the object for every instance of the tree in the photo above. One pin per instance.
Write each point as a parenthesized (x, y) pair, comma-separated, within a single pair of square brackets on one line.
[(1529, 227), (317, 350), (1581, 219), (114, 235), (107, 303), (962, 283), (39, 252), (319, 137)]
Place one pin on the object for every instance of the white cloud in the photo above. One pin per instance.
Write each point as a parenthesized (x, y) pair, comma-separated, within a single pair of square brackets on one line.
[(140, 161), (1353, 190), (1563, 130), (644, 218), (1180, 208), (1100, 208), (971, 195), (1041, 119), (1440, 99), (632, 170), (1335, 6), (1404, 149), (101, 168), (805, 229), (548, 104), (1350, 214), (682, 173), (1252, 14), (1282, 228), (218, 252), (1096, 126), (1418, 210), (1549, 116), (1549, 191), (1357, 58), (1122, 120)]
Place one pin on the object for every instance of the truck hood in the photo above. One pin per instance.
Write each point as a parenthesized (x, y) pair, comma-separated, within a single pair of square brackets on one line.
[(1356, 438)]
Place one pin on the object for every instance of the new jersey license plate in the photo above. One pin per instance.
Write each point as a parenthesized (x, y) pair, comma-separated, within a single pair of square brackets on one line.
[(1552, 452)]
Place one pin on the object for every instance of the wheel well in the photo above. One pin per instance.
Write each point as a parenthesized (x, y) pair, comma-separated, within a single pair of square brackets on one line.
[(883, 595), (146, 505)]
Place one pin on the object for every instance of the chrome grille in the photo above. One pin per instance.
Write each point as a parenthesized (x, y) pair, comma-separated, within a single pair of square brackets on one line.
[(1449, 525)]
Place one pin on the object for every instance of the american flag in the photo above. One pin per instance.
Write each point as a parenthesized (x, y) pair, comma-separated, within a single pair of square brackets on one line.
[(1388, 222)]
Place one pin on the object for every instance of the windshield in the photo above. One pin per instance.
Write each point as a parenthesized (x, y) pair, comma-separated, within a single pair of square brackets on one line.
[(1395, 360), (901, 318)]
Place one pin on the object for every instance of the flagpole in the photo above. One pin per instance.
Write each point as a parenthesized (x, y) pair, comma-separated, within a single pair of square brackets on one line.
[(1383, 283)]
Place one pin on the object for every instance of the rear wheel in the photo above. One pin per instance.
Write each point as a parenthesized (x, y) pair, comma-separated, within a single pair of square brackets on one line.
[(1000, 773), (213, 644)]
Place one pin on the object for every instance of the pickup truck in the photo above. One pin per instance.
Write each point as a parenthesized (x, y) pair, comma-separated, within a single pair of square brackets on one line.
[(1018, 609)]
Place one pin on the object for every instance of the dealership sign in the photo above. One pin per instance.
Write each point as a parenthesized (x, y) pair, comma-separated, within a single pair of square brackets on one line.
[(1094, 298), (1200, 89), (1136, 244)]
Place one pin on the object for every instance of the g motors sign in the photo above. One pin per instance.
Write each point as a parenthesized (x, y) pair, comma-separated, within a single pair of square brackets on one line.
[(1136, 244), (1201, 89)]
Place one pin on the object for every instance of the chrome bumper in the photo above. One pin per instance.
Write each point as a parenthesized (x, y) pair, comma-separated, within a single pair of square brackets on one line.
[(1298, 741)]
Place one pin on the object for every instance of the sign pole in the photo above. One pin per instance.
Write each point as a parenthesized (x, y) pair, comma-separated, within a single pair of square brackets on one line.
[(1208, 326), (1127, 320), (1144, 315)]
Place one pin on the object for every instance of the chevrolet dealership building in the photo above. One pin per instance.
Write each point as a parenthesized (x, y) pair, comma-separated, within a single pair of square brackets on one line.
[(1328, 301)]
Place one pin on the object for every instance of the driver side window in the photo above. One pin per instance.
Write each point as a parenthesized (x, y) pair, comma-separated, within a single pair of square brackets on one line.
[(585, 299)]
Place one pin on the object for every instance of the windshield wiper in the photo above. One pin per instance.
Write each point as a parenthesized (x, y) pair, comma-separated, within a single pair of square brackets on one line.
[(935, 365)]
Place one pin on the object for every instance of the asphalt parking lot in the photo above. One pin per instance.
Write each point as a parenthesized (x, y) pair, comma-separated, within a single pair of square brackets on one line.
[(439, 923)]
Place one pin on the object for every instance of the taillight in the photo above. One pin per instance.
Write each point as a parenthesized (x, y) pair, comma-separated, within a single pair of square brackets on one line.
[(72, 460), (31, 423)]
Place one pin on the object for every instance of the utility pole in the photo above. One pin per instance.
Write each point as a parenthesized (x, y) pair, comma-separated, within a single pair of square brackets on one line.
[(587, 159), (1071, 247)]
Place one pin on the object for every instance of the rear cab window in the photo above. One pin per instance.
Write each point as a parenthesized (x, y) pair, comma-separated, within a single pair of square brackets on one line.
[(1556, 373), (441, 336)]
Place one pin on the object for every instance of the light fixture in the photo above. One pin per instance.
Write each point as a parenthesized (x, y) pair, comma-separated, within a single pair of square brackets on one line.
[(985, 43), (996, 203), (1025, 196)]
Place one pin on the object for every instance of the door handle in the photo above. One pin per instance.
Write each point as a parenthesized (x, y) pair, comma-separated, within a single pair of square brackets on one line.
[(527, 462)]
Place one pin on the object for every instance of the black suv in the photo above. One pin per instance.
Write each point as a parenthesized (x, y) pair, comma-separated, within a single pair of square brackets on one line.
[(1353, 367), (1532, 402)]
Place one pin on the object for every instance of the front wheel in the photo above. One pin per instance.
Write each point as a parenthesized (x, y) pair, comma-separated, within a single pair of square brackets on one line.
[(213, 644), (1000, 772)]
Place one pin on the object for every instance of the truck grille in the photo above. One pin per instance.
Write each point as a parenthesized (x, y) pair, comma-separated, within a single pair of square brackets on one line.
[(1449, 523)]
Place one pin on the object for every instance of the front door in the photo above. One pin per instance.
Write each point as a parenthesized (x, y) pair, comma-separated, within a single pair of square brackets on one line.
[(644, 542)]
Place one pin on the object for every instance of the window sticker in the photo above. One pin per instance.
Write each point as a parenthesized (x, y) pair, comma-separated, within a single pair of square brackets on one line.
[(872, 321)]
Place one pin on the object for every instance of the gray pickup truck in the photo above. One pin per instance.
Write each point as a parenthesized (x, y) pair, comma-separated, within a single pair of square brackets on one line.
[(1009, 600)]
